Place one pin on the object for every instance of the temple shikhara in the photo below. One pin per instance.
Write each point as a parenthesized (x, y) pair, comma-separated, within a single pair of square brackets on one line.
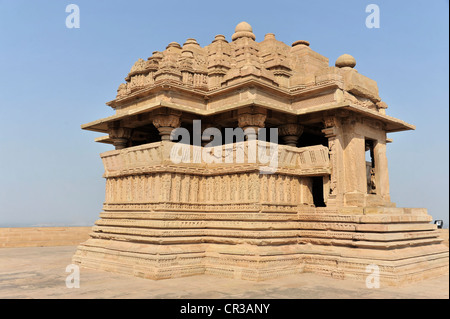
[(326, 208)]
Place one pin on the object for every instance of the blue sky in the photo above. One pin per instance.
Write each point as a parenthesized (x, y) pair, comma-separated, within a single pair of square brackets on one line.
[(53, 79)]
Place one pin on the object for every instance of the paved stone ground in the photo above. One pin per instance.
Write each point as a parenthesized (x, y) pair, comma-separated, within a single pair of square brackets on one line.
[(39, 272)]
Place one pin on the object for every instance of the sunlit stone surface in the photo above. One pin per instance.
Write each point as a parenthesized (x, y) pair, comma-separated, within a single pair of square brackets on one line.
[(326, 209)]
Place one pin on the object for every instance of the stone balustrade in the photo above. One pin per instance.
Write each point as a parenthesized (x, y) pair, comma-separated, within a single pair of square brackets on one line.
[(140, 159)]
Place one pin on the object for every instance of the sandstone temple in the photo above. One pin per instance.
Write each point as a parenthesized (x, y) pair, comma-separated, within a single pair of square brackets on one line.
[(326, 209)]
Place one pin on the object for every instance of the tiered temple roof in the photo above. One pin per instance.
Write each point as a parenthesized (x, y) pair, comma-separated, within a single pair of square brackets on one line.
[(224, 76)]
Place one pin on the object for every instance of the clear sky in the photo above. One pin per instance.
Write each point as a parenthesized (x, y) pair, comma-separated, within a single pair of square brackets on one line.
[(53, 79)]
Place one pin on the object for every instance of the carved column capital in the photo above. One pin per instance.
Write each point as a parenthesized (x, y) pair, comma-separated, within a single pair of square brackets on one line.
[(120, 136), (251, 120), (254, 119), (165, 122), (172, 121), (330, 121), (290, 133)]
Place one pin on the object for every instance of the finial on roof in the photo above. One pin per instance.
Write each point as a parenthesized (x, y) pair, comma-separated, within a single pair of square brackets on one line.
[(269, 36), (191, 41), (243, 29), (345, 60), (174, 45), (300, 42), (220, 37), (156, 55)]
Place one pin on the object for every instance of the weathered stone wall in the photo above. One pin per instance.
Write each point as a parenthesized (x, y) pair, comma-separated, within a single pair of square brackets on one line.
[(43, 236)]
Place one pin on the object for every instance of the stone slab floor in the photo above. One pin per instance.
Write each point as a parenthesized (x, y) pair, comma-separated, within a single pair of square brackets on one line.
[(41, 273)]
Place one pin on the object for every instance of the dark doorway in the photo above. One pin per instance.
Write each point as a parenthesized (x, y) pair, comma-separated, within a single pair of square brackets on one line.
[(317, 191)]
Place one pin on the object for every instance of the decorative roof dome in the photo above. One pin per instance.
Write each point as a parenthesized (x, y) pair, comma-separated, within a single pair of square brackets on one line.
[(243, 29), (345, 60), (243, 26)]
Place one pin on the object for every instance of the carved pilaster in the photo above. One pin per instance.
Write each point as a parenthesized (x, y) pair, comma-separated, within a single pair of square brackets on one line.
[(333, 160), (330, 121), (332, 131)]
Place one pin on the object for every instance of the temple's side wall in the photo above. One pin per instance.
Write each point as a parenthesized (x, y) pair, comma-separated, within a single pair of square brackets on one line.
[(177, 189), (146, 175)]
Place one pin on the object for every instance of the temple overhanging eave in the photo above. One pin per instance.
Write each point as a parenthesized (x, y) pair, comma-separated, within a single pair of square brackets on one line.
[(391, 124)]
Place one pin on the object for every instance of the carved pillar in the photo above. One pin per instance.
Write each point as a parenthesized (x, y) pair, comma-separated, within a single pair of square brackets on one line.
[(355, 166), (381, 170), (290, 133), (166, 121), (355, 183), (333, 132), (252, 117), (119, 135)]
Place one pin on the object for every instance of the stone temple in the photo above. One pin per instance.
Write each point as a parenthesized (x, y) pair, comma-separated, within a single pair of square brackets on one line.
[(326, 209)]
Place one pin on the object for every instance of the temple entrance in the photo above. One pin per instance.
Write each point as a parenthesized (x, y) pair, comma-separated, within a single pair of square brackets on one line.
[(317, 191)]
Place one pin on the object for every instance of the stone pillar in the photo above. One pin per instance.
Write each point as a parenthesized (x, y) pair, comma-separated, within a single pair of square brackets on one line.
[(290, 133), (252, 117), (165, 121), (355, 169), (356, 133), (381, 171), (119, 135)]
